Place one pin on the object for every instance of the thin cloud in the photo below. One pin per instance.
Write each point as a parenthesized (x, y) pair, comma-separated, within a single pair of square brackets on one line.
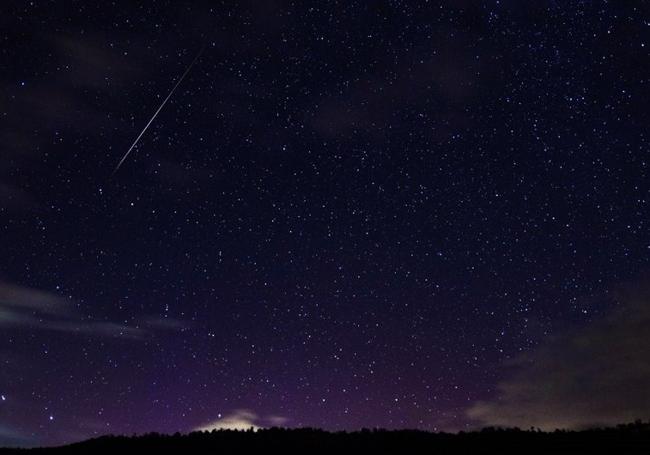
[(14, 198), (28, 308), (14, 297), (240, 419), (243, 419), (277, 421), (11, 437), (595, 376)]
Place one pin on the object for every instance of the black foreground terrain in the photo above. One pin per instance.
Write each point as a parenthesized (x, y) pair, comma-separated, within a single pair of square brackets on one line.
[(623, 439)]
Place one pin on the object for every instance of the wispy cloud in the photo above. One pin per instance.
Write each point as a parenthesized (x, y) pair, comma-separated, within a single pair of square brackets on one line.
[(14, 198), (66, 105), (28, 308), (11, 437), (243, 419), (240, 419), (594, 376)]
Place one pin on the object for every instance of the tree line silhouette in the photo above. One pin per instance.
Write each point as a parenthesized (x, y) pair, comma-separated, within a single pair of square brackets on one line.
[(633, 438)]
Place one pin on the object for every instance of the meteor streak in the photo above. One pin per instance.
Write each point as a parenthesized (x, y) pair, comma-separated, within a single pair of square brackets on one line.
[(153, 117)]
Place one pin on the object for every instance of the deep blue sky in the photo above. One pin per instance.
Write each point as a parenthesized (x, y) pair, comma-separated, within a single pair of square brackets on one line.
[(349, 213)]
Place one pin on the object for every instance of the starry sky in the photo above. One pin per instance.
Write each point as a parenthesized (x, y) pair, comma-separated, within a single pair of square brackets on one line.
[(349, 214)]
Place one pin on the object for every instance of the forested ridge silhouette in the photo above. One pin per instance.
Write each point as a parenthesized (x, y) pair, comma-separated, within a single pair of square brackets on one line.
[(623, 439)]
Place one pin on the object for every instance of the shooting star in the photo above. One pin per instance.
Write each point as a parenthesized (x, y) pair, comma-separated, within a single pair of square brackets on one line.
[(153, 117)]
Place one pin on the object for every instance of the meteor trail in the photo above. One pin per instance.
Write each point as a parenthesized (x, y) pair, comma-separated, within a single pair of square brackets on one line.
[(153, 117)]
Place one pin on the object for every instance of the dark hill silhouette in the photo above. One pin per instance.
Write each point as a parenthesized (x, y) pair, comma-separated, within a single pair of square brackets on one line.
[(623, 439)]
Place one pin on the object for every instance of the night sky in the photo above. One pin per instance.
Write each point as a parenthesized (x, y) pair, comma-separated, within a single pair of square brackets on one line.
[(349, 214)]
